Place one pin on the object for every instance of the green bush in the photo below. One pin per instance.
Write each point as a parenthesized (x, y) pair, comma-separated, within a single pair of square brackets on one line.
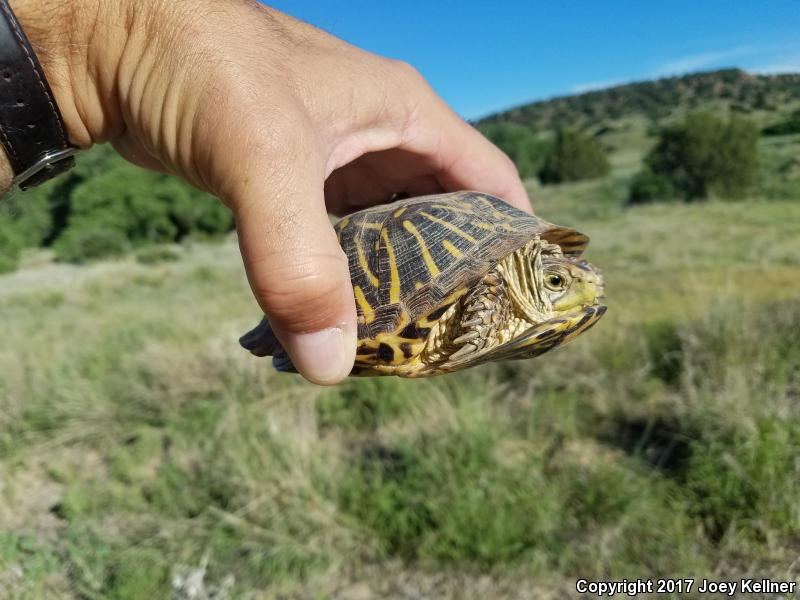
[(125, 207), (520, 143), (574, 156), (90, 242), (702, 156), (24, 222), (646, 186), (106, 207), (787, 127), (192, 212)]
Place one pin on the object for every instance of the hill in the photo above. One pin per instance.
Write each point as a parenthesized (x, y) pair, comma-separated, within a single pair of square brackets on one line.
[(767, 96), (626, 120)]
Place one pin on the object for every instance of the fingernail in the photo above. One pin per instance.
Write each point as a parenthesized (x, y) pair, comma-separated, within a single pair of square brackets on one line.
[(324, 357)]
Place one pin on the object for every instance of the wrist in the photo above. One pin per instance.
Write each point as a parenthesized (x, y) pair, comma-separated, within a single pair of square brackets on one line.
[(52, 28), (78, 43)]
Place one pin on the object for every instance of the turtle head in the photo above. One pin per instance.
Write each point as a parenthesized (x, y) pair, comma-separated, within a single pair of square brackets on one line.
[(557, 298), (568, 284)]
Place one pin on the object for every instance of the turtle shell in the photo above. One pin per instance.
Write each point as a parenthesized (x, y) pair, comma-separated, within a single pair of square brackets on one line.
[(409, 258)]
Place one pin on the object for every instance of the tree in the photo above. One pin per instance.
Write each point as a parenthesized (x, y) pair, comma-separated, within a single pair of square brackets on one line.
[(702, 156), (520, 143), (574, 156)]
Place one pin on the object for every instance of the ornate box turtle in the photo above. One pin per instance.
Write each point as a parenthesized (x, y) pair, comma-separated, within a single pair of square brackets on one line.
[(454, 280)]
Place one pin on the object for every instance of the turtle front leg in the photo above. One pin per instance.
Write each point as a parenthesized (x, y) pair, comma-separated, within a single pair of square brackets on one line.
[(484, 311)]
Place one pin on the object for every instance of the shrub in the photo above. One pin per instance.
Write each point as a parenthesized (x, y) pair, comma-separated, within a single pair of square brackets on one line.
[(24, 221), (574, 156), (90, 242), (520, 143), (449, 500), (745, 485), (125, 207), (700, 157), (786, 127), (646, 186)]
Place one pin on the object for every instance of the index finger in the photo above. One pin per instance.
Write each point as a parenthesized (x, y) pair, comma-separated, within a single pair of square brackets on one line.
[(463, 158), (475, 163)]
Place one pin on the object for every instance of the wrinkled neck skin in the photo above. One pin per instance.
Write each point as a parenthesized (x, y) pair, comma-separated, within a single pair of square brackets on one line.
[(523, 271)]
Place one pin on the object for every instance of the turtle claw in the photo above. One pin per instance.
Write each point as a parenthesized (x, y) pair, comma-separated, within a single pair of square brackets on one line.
[(465, 350), (467, 337)]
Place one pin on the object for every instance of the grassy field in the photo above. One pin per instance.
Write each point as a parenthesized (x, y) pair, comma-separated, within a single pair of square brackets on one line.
[(140, 446)]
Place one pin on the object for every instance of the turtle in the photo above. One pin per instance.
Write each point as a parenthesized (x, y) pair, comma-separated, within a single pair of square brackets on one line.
[(448, 281)]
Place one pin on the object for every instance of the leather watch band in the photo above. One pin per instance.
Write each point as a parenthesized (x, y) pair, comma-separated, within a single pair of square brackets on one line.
[(31, 128)]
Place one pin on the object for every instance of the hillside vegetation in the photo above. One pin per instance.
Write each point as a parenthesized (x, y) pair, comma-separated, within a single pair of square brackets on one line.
[(106, 207), (767, 97), (721, 111), (139, 444)]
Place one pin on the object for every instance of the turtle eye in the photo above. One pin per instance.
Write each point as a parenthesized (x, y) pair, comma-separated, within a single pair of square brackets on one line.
[(554, 281)]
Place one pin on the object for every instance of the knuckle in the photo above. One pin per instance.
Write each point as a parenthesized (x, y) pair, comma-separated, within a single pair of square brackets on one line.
[(408, 77), (409, 95), (406, 69), (507, 164)]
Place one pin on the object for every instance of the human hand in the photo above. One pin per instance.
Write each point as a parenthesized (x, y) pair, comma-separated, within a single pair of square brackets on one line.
[(280, 120)]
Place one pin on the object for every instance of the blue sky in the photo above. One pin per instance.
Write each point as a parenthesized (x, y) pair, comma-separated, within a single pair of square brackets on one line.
[(483, 59)]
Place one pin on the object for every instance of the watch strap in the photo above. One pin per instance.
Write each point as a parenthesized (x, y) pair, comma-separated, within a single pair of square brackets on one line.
[(31, 128)]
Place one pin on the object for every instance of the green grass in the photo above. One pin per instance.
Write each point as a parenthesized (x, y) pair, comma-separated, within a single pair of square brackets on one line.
[(137, 439)]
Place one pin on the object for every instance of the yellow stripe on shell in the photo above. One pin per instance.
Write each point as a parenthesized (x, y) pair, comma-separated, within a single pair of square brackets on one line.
[(482, 225), (451, 249), (394, 287), (426, 255), (466, 211), (364, 305), (449, 226), (342, 224), (362, 262)]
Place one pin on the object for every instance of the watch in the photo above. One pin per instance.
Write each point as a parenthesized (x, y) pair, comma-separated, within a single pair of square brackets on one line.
[(31, 128)]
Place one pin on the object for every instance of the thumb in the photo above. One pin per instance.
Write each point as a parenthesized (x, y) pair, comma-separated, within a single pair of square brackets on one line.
[(297, 270)]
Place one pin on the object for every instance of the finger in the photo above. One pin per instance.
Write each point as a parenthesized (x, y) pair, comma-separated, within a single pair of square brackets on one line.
[(475, 163), (296, 268), (464, 158)]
